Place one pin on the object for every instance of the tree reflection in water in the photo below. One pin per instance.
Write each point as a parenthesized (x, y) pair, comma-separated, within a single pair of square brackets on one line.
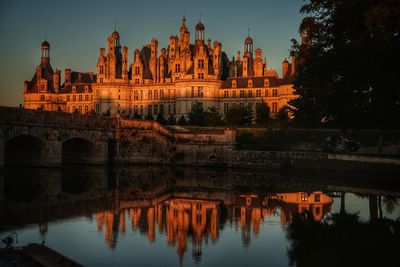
[(355, 242)]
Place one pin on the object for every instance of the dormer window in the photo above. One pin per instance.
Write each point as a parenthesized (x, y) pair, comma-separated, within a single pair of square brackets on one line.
[(86, 88), (73, 89), (201, 64), (249, 83), (266, 83), (234, 83)]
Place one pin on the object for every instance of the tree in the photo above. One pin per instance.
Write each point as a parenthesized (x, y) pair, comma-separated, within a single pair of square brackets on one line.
[(282, 117), (212, 117), (160, 118), (238, 116), (196, 114), (347, 72), (149, 117), (171, 119), (182, 120), (262, 114)]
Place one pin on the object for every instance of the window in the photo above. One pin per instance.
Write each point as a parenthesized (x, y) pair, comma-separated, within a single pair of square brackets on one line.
[(137, 70), (241, 93), (86, 97), (119, 97), (80, 97), (304, 198), (201, 64), (192, 92), (250, 93), (274, 92), (150, 95), (226, 107), (74, 98), (136, 81), (177, 68), (80, 109), (226, 94), (149, 110), (101, 80), (155, 95), (200, 91), (258, 93), (234, 93), (86, 109), (274, 107), (135, 95), (201, 76), (73, 89), (161, 94), (41, 97), (249, 83), (68, 98), (317, 198), (266, 93)]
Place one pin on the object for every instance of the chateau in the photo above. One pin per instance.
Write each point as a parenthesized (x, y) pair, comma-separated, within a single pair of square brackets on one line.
[(166, 81)]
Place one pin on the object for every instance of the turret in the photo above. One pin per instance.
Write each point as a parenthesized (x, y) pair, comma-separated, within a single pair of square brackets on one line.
[(45, 52), (199, 33), (248, 46)]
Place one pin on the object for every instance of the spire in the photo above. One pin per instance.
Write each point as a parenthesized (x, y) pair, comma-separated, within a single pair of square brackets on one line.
[(183, 27)]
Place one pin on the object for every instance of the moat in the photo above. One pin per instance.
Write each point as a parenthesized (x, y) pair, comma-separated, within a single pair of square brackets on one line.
[(161, 216)]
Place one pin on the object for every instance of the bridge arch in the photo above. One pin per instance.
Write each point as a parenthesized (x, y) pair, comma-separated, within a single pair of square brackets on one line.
[(78, 150), (27, 150)]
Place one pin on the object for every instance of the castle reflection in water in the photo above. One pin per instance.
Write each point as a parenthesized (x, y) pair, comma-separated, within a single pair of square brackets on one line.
[(197, 221)]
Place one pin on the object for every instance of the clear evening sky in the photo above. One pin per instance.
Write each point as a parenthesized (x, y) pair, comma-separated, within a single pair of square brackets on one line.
[(76, 29)]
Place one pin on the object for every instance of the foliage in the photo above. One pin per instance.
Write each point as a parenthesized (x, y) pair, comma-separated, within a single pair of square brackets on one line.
[(348, 76), (171, 119), (160, 118), (199, 117), (212, 117), (196, 114), (149, 117), (182, 120), (262, 114), (238, 116)]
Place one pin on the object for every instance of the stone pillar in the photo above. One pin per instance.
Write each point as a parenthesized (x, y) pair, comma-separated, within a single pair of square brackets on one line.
[(2, 152), (230, 136), (54, 153)]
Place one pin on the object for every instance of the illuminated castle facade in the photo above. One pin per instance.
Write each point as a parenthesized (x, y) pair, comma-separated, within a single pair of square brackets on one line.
[(167, 81)]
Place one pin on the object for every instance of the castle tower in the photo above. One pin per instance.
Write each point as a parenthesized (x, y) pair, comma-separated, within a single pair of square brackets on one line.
[(45, 52), (162, 65), (114, 51)]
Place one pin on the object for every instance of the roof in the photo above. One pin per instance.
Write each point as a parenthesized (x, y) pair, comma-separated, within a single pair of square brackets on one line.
[(46, 73), (200, 27), (242, 82), (248, 40), (45, 44)]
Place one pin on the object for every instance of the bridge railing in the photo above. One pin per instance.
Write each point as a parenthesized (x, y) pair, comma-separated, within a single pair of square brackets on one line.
[(51, 118)]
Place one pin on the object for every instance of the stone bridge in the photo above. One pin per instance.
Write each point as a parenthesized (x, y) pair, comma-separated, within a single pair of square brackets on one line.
[(44, 138)]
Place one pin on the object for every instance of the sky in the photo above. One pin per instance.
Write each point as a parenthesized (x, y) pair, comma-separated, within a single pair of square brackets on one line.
[(77, 29)]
